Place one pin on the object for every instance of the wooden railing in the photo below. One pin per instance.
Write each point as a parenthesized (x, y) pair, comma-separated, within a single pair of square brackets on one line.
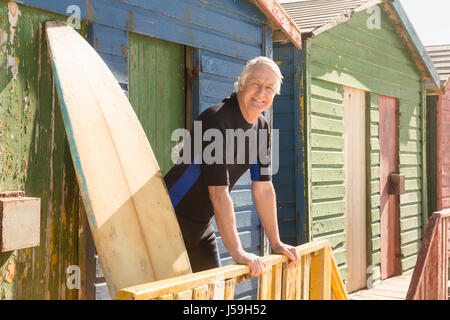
[(315, 277), (430, 277)]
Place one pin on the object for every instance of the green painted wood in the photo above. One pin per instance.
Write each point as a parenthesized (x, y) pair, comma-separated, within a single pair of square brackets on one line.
[(321, 209), (35, 157), (157, 91)]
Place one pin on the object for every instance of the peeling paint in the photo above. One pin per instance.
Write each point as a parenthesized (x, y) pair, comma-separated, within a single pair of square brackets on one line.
[(13, 17), (11, 272), (12, 62)]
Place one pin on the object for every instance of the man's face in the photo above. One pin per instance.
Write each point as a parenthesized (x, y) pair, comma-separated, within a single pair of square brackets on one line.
[(256, 95)]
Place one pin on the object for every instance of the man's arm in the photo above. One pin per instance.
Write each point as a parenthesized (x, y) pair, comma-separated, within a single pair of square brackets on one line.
[(265, 201), (226, 222)]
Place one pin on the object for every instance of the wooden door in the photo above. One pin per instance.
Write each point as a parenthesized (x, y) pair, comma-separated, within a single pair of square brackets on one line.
[(157, 91), (355, 186), (389, 204)]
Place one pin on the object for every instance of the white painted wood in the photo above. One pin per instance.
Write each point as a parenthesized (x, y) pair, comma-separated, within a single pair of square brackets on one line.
[(130, 213), (355, 184), (19, 223)]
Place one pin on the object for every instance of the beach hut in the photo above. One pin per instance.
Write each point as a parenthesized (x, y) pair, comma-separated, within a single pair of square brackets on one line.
[(173, 59), (356, 128), (438, 132)]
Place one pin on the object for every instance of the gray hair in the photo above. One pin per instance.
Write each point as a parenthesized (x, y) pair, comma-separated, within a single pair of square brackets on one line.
[(255, 62)]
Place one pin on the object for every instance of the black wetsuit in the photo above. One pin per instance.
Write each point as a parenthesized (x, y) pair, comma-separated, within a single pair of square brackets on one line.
[(188, 183)]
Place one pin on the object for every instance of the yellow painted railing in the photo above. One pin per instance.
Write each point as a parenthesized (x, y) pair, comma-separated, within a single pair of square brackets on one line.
[(315, 277)]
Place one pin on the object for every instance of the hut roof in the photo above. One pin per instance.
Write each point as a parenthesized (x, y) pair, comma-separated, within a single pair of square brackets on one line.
[(313, 14), (316, 16), (440, 56)]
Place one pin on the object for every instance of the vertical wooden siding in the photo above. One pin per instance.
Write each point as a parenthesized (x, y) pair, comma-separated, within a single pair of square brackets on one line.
[(376, 61), (35, 157), (286, 107), (156, 91)]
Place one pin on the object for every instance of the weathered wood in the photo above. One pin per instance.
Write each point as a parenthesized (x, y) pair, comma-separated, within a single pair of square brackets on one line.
[(229, 289), (430, 277), (276, 13), (288, 288), (236, 273), (34, 157), (306, 268), (184, 295), (131, 215), (156, 90), (217, 290), (200, 293), (265, 285), (388, 203), (277, 272), (355, 192)]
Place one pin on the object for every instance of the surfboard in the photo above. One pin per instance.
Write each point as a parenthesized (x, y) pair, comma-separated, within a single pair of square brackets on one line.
[(129, 210)]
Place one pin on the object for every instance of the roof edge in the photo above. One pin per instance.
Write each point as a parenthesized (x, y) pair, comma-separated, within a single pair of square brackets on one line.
[(273, 10), (415, 41), (347, 15)]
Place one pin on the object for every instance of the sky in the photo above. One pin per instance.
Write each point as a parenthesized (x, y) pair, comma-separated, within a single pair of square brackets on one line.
[(430, 18)]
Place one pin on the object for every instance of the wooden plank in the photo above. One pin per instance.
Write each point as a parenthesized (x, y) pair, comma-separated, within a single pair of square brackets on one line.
[(305, 277), (337, 285), (276, 13), (321, 275), (184, 295), (265, 285), (200, 293), (166, 297), (229, 289), (276, 281), (298, 281), (217, 290), (288, 289), (156, 87), (355, 193), (388, 203), (140, 215)]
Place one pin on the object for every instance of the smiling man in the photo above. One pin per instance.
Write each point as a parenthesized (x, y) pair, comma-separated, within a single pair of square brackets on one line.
[(200, 191)]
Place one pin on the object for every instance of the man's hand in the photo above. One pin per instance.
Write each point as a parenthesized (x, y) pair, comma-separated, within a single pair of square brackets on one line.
[(255, 262), (289, 251)]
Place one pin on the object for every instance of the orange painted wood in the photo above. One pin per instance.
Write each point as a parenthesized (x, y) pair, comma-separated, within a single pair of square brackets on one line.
[(389, 204)]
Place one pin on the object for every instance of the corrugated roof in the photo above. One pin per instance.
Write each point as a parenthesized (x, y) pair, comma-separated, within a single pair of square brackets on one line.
[(440, 56), (312, 14)]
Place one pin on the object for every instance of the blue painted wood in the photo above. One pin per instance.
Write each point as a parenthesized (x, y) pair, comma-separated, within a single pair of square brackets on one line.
[(228, 27), (58, 6), (163, 26), (208, 16), (287, 116), (117, 65), (110, 40), (220, 65)]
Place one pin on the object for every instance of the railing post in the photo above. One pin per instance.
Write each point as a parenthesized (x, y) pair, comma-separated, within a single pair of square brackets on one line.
[(321, 275)]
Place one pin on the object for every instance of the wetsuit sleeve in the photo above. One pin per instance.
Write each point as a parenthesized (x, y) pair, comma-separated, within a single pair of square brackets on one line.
[(261, 170)]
